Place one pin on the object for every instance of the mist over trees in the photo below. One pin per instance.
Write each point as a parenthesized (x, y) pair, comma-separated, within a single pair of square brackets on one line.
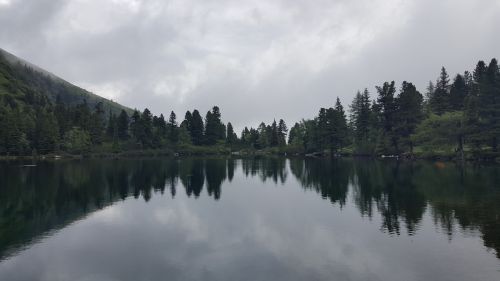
[(459, 115)]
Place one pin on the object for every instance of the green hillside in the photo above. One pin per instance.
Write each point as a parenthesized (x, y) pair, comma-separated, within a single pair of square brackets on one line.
[(20, 79)]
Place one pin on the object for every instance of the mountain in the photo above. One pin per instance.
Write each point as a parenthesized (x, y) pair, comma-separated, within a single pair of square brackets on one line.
[(20, 79)]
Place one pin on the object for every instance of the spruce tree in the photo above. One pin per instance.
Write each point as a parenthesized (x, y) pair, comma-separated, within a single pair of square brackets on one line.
[(458, 91), (97, 124), (440, 101), (360, 119), (196, 128), (282, 132), (274, 134), (231, 137), (214, 129), (172, 128), (146, 123), (123, 124), (409, 106), (340, 126), (386, 102)]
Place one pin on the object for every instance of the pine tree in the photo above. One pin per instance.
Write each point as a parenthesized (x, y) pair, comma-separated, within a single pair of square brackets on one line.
[(146, 123), (111, 125), (196, 128), (282, 132), (440, 101), (360, 119), (231, 137), (340, 126), (458, 91), (172, 128), (97, 124), (214, 129), (82, 116), (274, 134), (188, 119), (123, 124), (46, 132), (62, 116), (489, 100), (386, 102), (409, 106), (479, 73), (263, 140)]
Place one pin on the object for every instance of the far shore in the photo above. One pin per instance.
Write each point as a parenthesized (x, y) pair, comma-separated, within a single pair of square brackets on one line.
[(210, 151)]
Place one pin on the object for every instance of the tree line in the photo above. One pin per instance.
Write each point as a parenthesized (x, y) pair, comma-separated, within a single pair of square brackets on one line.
[(454, 117), (461, 116)]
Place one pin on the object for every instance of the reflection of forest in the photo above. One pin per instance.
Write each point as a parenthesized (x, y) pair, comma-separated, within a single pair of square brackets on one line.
[(34, 201)]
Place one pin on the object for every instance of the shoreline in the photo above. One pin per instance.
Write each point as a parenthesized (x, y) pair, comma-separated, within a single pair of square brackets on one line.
[(240, 154)]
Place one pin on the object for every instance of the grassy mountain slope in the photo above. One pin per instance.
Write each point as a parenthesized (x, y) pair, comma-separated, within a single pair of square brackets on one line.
[(19, 79)]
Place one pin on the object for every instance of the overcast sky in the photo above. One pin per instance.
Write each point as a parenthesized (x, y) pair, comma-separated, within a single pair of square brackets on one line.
[(258, 59)]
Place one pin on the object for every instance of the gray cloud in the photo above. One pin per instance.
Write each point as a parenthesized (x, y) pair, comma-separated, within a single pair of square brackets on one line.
[(257, 60)]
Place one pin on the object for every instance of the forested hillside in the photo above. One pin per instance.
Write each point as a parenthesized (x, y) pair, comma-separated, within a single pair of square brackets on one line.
[(455, 118), (20, 80)]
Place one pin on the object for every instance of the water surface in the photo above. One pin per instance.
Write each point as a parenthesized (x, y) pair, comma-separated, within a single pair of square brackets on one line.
[(249, 219)]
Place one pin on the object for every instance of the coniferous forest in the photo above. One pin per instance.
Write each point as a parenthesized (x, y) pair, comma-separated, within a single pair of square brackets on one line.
[(456, 117)]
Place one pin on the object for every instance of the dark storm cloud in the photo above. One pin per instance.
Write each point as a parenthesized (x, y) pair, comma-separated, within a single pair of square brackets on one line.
[(255, 59)]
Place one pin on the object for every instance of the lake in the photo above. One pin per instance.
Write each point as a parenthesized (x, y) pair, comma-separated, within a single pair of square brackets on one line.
[(249, 219)]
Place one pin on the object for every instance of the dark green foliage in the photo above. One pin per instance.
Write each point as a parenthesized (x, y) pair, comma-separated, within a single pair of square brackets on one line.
[(196, 128), (46, 132), (458, 92), (77, 141), (146, 134), (173, 134), (361, 120), (97, 124), (282, 133), (160, 128), (214, 129), (441, 132), (440, 99), (27, 81), (409, 108), (388, 112), (122, 125), (489, 105), (40, 114), (231, 137)]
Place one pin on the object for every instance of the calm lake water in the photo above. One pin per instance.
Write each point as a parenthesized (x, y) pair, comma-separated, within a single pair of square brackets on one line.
[(250, 219)]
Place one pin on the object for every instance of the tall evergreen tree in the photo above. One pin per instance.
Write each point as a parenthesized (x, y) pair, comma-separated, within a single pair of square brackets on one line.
[(440, 100), (409, 105), (387, 103), (360, 118), (282, 132), (274, 134), (231, 137), (196, 128), (340, 126), (46, 132), (122, 125), (97, 124), (172, 128), (489, 100), (111, 127), (458, 91), (214, 129), (147, 128), (263, 140)]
